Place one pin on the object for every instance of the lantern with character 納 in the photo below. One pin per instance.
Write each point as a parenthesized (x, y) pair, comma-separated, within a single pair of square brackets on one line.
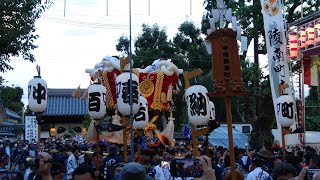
[(123, 93), (97, 100), (198, 105), (285, 110), (141, 118), (212, 111)]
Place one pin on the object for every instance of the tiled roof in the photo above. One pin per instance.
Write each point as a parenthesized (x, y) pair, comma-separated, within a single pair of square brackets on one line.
[(61, 103), (10, 128), (12, 114)]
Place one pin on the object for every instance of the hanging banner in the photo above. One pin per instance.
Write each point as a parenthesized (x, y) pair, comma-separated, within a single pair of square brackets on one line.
[(277, 57), (31, 128)]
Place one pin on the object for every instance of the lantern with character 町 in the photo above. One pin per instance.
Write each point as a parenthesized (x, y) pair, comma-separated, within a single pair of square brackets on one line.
[(97, 100), (198, 105), (285, 110), (37, 94), (123, 93)]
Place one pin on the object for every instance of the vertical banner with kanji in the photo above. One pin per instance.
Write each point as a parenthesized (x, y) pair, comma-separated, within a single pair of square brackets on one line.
[(277, 58), (31, 128)]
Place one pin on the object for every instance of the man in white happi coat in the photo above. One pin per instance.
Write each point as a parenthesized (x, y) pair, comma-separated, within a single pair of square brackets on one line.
[(72, 162)]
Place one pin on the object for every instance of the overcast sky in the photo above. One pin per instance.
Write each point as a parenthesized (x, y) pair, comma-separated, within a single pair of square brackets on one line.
[(69, 44)]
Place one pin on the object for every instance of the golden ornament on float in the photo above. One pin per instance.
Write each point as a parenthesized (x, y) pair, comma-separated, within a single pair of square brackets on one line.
[(146, 86)]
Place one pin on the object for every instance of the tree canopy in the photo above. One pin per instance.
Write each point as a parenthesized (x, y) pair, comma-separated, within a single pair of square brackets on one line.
[(11, 97), (17, 29)]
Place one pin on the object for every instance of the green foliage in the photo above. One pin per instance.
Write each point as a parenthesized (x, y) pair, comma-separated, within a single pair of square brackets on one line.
[(17, 27), (2, 81), (123, 44), (312, 109), (313, 123), (150, 44), (86, 121), (190, 48), (11, 98)]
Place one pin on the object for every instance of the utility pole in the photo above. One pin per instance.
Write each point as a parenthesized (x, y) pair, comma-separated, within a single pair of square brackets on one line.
[(107, 7), (256, 62), (148, 7)]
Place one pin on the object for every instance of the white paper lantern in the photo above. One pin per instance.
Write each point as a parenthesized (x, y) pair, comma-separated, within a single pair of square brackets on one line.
[(123, 93), (285, 110), (212, 111), (198, 105), (37, 94), (97, 100), (141, 118)]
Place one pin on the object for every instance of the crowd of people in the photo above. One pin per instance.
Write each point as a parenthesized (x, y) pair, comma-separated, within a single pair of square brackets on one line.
[(67, 159)]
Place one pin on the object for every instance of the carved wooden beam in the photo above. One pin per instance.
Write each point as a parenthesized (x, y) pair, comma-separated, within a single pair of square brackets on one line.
[(188, 75)]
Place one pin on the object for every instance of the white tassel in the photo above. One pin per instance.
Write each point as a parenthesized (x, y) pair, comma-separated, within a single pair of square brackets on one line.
[(169, 93), (166, 136), (116, 136)]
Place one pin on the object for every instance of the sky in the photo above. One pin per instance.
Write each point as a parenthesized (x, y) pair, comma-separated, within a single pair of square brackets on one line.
[(69, 44), (75, 39)]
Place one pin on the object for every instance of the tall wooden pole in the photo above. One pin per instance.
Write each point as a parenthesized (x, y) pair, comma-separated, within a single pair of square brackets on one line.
[(98, 147), (39, 137), (283, 143), (284, 132), (125, 123), (195, 141), (230, 137), (125, 144), (38, 118)]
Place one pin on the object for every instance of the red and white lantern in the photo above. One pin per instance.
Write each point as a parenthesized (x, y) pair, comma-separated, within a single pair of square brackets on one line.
[(310, 35), (141, 118), (198, 105), (123, 93), (302, 38), (317, 32), (97, 100), (293, 45)]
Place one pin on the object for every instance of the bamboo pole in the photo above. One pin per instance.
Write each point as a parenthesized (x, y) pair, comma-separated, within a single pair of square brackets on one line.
[(39, 137), (125, 145), (230, 137), (98, 147)]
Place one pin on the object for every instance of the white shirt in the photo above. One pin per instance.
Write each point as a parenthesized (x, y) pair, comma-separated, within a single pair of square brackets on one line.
[(8, 151), (257, 174), (72, 164), (26, 174)]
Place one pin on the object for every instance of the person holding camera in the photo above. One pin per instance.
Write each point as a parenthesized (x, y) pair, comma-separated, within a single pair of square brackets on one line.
[(43, 165)]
